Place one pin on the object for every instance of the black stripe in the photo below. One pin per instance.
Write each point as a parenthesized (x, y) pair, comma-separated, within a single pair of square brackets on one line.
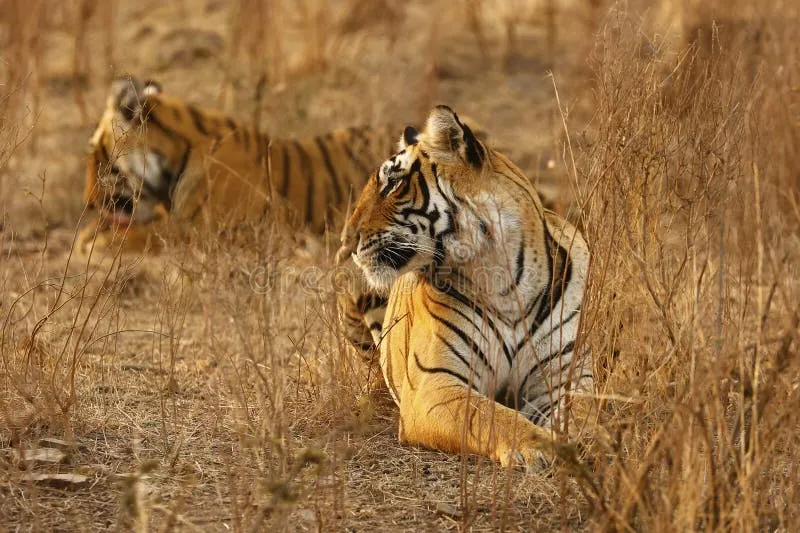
[(439, 253), (540, 414), (388, 371), (566, 349), (530, 306), (422, 186), (549, 406), (567, 320), (518, 268), (176, 177), (503, 397), (364, 169), (197, 119), (403, 191), (458, 311), (337, 189), (305, 163), (158, 194), (246, 136), (234, 129), (461, 334), (558, 282), (215, 127), (552, 293), (262, 160), (369, 301), (561, 385), (439, 370), (457, 354), (452, 292), (520, 260), (153, 120)]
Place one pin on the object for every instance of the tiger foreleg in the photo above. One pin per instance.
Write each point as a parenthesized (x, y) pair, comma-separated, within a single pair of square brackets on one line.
[(443, 413), (102, 241)]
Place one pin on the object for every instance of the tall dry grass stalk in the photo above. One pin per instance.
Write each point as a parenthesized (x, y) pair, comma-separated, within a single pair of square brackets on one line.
[(686, 188), (23, 25), (83, 13), (255, 34)]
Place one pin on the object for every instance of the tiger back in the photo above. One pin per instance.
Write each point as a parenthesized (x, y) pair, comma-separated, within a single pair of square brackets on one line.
[(484, 295)]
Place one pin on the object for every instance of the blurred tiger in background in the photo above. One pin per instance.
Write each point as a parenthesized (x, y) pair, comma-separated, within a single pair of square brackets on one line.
[(484, 286), (155, 158)]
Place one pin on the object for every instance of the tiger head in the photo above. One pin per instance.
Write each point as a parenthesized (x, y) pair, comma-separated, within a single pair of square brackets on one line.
[(429, 205), (121, 176)]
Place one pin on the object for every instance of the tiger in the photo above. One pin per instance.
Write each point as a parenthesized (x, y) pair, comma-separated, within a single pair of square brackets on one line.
[(156, 161), (484, 290)]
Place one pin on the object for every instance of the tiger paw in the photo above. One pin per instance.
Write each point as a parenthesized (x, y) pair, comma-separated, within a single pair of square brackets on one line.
[(93, 240), (528, 455)]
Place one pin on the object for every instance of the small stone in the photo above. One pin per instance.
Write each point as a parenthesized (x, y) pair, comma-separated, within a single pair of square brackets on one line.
[(60, 444), (59, 481), (41, 455), (445, 509), (306, 515)]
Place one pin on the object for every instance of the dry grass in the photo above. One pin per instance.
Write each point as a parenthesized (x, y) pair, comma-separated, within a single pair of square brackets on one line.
[(694, 292), (210, 388)]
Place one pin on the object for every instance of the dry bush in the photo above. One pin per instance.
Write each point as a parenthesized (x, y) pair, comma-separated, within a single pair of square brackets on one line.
[(687, 185)]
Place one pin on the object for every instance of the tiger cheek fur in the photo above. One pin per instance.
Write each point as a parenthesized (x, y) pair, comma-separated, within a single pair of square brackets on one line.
[(478, 364)]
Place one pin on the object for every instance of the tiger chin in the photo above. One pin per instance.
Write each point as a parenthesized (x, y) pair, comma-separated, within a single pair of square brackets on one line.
[(484, 295)]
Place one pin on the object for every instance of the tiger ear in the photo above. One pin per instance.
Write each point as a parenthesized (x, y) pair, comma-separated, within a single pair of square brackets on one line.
[(126, 98), (446, 136), (410, 136)]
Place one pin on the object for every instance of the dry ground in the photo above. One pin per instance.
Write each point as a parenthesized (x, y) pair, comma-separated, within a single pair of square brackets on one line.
[(210, 389)]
